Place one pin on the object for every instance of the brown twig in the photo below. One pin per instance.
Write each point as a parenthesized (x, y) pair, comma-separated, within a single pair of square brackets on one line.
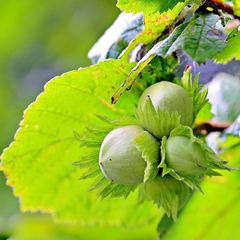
[(211, 126), (217, 5), (225, 7)]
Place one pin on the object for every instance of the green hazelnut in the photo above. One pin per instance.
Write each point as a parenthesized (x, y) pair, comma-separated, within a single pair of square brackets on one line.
[(121, 160), (185, 156), (169, 193), (188, 158), (172, 105)]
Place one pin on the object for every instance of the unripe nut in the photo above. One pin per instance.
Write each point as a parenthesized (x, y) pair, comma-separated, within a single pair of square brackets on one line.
[(119, 159), (185, 156), (167, 98)]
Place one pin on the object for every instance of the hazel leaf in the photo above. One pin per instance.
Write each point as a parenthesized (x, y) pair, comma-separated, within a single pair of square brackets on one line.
[(39, 162)]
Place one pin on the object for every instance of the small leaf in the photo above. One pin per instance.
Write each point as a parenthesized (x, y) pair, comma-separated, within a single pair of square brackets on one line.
[(205, 114), (164, 225)]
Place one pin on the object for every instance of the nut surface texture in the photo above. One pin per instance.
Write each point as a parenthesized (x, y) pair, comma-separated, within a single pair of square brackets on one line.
[(119, 159)]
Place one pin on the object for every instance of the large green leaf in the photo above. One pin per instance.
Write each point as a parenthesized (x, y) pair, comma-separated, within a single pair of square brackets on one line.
[(39, 162), (146, 6)]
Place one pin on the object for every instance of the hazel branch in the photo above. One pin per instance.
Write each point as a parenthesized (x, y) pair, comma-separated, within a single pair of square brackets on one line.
[(211, 126), (217, 5)]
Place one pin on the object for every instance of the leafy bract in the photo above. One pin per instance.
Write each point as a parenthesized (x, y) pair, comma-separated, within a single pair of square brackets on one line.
[(150, 149), (205, 114), (39, 162), (169, 193), (198, 94), (146, 6), (231, 50), (158, 122)]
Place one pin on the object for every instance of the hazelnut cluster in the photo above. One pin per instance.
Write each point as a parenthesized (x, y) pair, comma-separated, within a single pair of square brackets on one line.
[(161, 153)]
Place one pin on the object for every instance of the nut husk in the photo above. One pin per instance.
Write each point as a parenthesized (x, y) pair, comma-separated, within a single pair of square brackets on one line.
[(169, 193)]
